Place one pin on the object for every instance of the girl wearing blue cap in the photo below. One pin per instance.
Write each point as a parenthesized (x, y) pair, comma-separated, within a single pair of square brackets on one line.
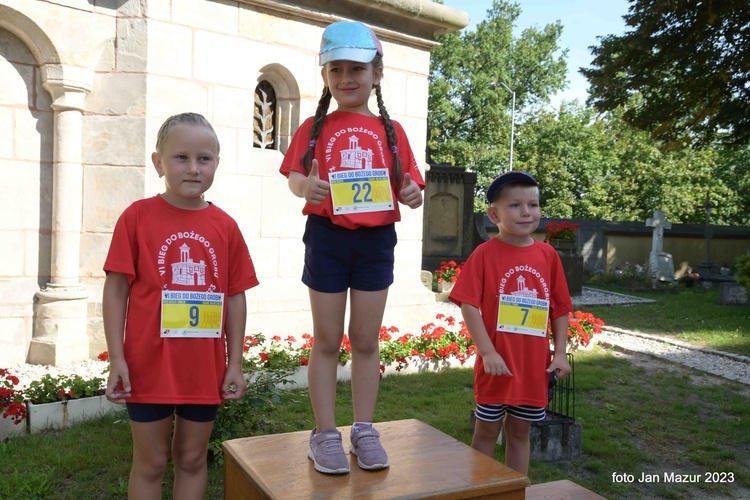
[(352, 167), (510, 288)]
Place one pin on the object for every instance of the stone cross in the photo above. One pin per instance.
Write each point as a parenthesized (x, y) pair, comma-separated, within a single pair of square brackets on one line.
[(659, 223), (660, 263)]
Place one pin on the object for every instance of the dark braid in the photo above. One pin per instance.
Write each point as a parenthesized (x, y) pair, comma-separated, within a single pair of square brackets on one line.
[(320, 114), (390, 133)]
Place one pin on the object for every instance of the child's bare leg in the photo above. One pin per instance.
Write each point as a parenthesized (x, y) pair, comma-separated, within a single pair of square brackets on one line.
[(485, 436), (517, 446), (150, 456), (190, 456), (364, 329), (328, 311)]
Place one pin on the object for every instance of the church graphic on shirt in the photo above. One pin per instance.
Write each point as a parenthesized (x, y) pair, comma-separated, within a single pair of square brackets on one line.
[(187, 272), (522, 290), (355, 156)]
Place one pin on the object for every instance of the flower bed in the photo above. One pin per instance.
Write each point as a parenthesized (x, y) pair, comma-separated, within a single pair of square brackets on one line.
[(437, 344), (440, 344), (270, 364)]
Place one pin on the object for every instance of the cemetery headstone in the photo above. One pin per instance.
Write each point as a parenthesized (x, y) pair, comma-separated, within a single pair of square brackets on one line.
[(661, 265), (732, 294)]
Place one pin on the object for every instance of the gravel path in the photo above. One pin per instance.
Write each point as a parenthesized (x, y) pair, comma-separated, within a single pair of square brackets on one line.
[(724, 364), (730, 366)]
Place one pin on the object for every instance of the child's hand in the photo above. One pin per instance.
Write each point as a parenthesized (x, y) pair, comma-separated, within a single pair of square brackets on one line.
[(410, 194), (494, 364), (118, 382), (559, 366), (315, 190), (234, 384)]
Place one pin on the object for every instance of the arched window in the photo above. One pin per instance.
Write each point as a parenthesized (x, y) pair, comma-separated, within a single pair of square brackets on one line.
[(264, 117)]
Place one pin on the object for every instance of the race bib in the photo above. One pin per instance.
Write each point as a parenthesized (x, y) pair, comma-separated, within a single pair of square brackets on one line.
[(359, 191), (191, 314), (525, 315)]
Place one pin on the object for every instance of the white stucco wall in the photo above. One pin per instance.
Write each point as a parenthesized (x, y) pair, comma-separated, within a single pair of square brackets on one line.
[(138, 62)]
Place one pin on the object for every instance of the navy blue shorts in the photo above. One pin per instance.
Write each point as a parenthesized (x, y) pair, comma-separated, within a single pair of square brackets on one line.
[(146, 412), (337, 258)]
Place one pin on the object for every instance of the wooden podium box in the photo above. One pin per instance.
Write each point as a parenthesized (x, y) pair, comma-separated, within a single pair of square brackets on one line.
[(425, 463)]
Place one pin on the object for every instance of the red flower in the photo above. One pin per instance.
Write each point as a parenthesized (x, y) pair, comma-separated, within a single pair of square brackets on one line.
[(345, 344), (581, 327), (303, 361), (448, 271), (103, 356), (560, 230)]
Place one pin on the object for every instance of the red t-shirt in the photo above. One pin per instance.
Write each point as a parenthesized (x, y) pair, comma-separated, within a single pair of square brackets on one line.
[(496, 268), (350, 142), (161, 247)]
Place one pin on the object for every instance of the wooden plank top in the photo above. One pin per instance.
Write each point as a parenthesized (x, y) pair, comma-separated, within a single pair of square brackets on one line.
[(425, 463)]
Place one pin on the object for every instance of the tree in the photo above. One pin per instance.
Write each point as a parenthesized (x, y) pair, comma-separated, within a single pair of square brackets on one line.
[(733, 169), (682, 72), (568, 153), (593, 166), (470, 111)]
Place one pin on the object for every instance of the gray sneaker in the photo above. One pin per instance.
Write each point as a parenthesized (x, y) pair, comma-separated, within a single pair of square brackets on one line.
[(366, 446), (327, 452)]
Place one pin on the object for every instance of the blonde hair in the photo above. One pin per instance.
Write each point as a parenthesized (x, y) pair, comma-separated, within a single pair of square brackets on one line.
[(173, 121), (510, 185)]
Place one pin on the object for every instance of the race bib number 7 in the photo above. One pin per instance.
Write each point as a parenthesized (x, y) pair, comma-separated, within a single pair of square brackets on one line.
[(525, 315), (191, 314), (359, 191)]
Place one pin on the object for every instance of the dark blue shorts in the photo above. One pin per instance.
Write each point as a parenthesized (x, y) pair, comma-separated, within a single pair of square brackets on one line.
[(146, 412), (337, 258)]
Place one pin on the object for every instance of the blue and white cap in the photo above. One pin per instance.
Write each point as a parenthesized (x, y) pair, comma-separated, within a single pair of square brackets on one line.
[(349, 41)]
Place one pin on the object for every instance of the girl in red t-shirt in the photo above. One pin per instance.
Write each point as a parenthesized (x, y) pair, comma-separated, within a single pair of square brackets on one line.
[(352, 167), (174, 312)]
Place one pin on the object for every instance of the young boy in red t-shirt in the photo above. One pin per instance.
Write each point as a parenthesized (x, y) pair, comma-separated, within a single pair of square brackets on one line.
[(510, 288)]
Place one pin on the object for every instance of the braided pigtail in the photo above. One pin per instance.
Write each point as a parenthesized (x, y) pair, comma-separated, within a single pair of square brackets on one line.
[(390, 133), (320, 114)]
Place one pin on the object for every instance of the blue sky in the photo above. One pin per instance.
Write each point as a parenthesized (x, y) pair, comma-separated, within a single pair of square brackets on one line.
[(582, 20)]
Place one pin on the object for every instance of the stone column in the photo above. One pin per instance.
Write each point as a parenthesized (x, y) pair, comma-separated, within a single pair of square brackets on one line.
[(60, 309)]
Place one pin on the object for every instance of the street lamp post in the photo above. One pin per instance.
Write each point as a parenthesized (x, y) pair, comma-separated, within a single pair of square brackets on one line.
[(512, 121)]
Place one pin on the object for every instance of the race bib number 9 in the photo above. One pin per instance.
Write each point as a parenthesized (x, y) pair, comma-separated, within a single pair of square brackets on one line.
[(359, 191), (525, 315), (191, 314)]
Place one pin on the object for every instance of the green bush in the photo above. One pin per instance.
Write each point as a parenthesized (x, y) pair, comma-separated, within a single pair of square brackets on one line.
[(742, 265), (249, 416)]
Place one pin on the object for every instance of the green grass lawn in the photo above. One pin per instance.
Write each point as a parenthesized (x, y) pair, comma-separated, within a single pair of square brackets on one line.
[(693, 315), (637, 418)]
